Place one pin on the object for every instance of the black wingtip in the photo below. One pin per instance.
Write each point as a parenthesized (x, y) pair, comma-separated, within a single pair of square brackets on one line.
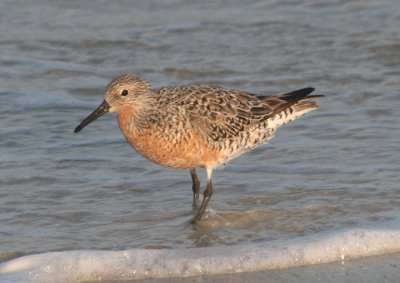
[(297, 95), (304, 91)]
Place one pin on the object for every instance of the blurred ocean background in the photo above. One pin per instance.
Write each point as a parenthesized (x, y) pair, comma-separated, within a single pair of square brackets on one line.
[(330, 173)]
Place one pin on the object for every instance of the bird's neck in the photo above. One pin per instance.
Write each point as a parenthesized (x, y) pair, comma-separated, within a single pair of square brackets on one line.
[(134, 119), (126, 117)]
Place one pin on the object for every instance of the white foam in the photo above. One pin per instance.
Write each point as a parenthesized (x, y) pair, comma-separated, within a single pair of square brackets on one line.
[(77, 266)]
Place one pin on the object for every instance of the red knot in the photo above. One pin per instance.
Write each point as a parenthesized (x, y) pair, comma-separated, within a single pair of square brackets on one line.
[(191, 126)]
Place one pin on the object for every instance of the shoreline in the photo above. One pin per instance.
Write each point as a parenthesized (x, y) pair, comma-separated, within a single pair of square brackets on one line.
[(383, 268)]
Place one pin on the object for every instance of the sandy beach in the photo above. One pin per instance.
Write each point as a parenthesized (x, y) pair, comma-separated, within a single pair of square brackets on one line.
[(384, 268)]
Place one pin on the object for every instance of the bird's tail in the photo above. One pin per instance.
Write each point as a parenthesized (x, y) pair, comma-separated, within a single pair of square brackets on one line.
[(289, 106)]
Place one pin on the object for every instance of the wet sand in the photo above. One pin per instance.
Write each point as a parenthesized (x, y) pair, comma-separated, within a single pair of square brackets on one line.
[(384, 268)]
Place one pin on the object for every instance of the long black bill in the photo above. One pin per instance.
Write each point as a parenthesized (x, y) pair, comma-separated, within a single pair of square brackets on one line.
[(100, 111)]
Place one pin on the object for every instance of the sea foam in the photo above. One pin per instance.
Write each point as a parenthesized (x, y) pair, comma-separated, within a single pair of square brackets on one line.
[(83, 265)]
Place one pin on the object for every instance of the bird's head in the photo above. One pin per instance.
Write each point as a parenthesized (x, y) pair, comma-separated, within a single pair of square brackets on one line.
[(124, 93)]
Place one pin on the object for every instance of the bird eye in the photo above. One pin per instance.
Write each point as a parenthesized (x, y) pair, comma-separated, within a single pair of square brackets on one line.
[(124, 92)]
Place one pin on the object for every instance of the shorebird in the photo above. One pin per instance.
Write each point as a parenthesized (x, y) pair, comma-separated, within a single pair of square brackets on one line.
[(191, 126)]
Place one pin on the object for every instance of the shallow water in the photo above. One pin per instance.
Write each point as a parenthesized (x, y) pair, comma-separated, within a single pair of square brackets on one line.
[(333, 169)]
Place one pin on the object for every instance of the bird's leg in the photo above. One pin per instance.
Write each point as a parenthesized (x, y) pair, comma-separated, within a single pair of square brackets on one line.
[(195, 186), (207, 195)]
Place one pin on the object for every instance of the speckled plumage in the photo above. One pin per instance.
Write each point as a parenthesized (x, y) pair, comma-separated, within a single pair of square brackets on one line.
[(194, 126)]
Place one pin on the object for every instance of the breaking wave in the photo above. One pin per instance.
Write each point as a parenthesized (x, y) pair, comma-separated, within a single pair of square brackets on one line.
[(84, 265)]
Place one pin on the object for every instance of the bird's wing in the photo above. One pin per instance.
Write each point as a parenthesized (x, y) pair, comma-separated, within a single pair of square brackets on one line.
[(220, 113), (217, 113)]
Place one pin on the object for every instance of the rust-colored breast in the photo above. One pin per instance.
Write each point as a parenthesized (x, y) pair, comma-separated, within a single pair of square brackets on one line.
[(181, 148), (188, 151)]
